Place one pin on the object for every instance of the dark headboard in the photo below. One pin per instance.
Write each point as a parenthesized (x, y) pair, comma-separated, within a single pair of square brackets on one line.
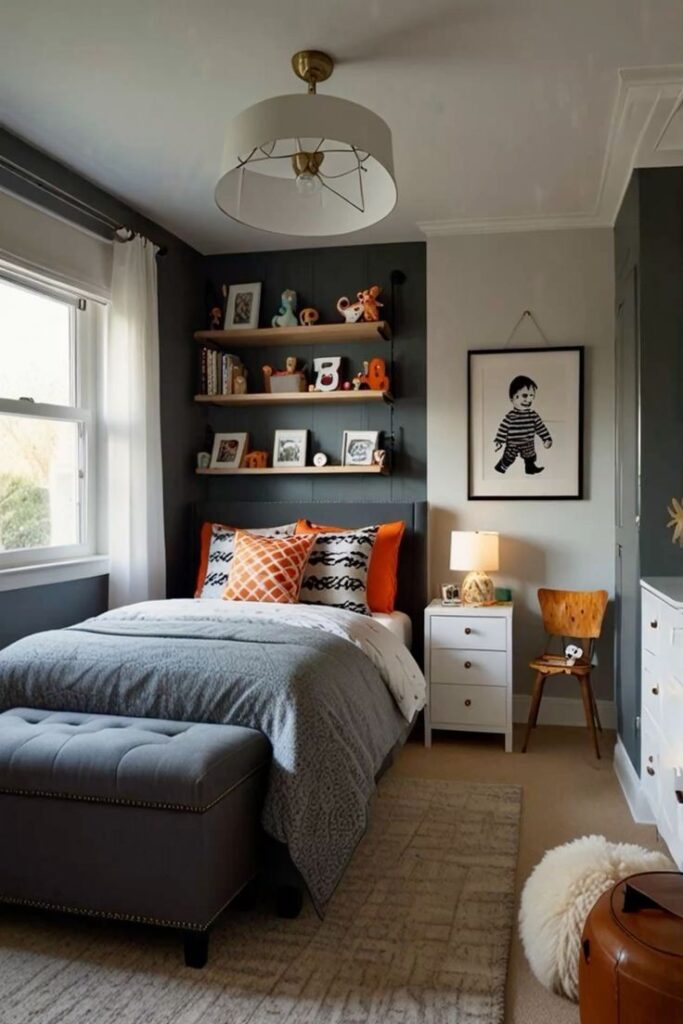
[(412, 572)]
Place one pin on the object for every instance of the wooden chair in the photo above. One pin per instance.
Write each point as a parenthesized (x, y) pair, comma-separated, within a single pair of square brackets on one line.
[(571, 615)]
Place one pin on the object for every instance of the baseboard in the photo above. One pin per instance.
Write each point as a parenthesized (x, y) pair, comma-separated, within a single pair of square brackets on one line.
[(563, 711), (630, 786)]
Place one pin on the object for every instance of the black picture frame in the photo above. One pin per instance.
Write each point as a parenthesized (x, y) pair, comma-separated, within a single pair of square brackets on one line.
[(517, 486)]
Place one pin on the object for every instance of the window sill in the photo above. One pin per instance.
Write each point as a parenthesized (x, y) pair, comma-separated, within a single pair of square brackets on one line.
[(53, 572)]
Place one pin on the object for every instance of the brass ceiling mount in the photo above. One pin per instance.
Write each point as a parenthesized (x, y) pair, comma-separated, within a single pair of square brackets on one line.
[(313, 67)]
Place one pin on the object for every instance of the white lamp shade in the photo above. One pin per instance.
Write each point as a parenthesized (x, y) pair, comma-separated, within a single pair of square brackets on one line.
[(474, 551), (263, 192)]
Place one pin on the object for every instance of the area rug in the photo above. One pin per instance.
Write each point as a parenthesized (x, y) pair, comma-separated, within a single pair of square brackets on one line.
[(417, 933)]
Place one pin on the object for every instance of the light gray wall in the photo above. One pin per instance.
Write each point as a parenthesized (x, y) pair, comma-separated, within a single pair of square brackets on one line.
[(477, 287)]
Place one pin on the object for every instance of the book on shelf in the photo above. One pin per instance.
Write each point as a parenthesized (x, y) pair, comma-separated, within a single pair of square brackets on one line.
[(217, 371)]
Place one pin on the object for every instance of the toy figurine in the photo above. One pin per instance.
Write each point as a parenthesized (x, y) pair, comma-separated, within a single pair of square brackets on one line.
[(351, 311), (255, 460), (215, 318), (572, 653), (379, 457), (239, 384), (360, 381), (308, 316), (371, 306), (377, 379), (346, 386), (284, 381), (287, 317), (290, 364), (327, 373)]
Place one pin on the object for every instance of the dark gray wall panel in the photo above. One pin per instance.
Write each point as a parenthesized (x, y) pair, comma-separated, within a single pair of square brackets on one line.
[(34, 609), (320, 276)]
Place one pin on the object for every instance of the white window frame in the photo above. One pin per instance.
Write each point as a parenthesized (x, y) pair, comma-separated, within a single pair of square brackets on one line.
[(31, 566)]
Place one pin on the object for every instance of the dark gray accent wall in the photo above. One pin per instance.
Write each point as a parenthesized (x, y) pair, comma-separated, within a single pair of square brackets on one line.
[(661, 371), (649, 359), (33, 609), (320, 277), (181, 281)]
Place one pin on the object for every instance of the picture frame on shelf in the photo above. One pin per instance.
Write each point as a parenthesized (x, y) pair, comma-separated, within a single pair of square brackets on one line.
[(290, 449), (358, 447), (525, 417), (243, 306), (229, 450), (450, 594)]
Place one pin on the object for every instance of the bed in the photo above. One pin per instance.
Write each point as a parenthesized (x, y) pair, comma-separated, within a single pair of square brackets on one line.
[(335, 692)]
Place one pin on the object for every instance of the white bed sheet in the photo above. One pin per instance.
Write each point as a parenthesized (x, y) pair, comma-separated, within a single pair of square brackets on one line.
[(397, 623)]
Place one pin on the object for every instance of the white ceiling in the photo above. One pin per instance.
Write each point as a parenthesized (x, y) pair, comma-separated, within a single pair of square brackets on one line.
[(500, 109)]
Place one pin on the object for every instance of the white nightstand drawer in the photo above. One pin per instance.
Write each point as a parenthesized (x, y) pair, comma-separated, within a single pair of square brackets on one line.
[(476, 632), (472, 668), (468, 705)]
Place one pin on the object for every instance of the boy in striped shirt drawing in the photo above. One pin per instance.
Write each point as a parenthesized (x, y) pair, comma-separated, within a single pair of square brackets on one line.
[(517, 431)]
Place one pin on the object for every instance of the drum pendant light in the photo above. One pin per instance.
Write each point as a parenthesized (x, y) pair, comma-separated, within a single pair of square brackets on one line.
[(307, 164)]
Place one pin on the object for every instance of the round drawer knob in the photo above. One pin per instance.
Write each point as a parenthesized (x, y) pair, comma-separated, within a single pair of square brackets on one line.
[(650, 771), (655, 691), (467, 630), (468, 702), (468, 664), (653, 624)]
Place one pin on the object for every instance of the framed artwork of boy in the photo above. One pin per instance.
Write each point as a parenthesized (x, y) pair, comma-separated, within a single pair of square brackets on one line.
[(525, 423)]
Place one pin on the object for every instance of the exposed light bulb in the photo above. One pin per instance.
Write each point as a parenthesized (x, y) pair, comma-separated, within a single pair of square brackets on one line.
[(308, 184)]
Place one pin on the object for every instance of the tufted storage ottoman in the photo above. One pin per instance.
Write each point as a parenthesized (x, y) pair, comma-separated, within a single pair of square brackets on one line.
[(129, 818)]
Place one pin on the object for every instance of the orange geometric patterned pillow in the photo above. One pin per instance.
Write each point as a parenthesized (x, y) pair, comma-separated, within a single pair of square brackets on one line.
[(268, 568)]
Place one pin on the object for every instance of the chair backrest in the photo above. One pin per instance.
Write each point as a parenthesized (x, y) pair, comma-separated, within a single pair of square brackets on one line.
[(573, 613)]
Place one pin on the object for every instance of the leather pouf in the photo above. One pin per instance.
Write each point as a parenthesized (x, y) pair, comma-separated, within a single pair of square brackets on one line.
[(631, 965), (558, 896)]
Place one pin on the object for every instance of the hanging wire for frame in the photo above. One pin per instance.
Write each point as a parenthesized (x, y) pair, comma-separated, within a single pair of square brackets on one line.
[(526, 315)]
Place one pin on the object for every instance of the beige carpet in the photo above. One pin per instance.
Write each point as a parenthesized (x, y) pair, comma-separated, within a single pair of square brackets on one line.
[(567, 793), (418, 933)]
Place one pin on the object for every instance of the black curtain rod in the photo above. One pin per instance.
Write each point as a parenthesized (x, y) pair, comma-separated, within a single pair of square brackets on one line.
[(55, 192)]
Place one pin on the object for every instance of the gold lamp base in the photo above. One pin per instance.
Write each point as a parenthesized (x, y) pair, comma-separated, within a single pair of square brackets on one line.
[(312, 66), (477, 589)]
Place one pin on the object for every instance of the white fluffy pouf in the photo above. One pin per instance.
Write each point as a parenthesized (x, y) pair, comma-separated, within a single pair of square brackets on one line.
[(558, 896)]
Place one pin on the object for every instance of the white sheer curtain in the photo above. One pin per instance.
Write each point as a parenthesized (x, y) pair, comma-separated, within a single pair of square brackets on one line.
[(135, 493)]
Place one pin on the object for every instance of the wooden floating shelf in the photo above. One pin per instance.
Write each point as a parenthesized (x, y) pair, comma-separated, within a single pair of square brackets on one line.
[(296, 398), (319, 334), (290, 470)]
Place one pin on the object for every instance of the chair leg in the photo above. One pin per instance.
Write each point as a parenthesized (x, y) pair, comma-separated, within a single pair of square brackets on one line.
[(596, 713), (587, 698), (533, 709)]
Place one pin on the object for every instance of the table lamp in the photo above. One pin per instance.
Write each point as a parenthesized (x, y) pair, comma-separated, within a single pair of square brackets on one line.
[(475, 553)]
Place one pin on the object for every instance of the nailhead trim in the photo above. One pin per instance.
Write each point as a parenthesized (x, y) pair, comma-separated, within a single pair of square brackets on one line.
[(109, 915), (117, 801)]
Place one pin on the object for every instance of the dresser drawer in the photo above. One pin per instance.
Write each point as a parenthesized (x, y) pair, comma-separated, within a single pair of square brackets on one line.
[(475, 633), (652, 687), (468, 705), (652, 611), (472, 668), (650, 766)]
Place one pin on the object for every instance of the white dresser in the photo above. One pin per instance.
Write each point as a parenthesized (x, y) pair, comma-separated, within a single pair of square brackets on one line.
[(468, 667), (661, 718)]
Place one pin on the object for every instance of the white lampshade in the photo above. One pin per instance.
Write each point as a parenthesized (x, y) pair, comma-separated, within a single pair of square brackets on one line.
[(258, 187), (474, 551)]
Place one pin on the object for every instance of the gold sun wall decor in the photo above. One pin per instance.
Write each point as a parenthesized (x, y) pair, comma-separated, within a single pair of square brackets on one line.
[(675, 510)]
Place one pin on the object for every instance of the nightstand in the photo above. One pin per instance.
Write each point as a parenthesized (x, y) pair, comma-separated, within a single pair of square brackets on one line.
[(468, 667)]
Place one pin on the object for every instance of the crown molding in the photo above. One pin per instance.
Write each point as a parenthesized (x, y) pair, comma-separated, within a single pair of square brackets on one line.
[(646, 130), (507, 225)]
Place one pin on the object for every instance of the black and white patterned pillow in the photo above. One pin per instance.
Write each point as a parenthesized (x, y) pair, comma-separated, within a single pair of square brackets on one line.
[(337, 571), (221, 551)]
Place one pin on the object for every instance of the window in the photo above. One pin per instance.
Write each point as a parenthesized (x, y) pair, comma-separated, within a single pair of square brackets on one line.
[(48, 363)]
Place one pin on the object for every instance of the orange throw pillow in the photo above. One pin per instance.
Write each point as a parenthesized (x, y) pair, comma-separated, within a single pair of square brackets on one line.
[(382, 575), (268, 568)]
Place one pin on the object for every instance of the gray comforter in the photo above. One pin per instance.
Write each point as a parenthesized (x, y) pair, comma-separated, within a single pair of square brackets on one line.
[(319, 700)]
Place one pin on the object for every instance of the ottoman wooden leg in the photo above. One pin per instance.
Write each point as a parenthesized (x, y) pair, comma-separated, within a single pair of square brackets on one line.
[(196, 947)]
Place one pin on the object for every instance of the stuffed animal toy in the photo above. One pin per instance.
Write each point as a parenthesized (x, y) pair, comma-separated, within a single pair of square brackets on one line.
[(371, 306)]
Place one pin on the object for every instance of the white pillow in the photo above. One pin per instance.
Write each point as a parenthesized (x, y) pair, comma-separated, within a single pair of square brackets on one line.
[(221, 550), (336, 574)]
